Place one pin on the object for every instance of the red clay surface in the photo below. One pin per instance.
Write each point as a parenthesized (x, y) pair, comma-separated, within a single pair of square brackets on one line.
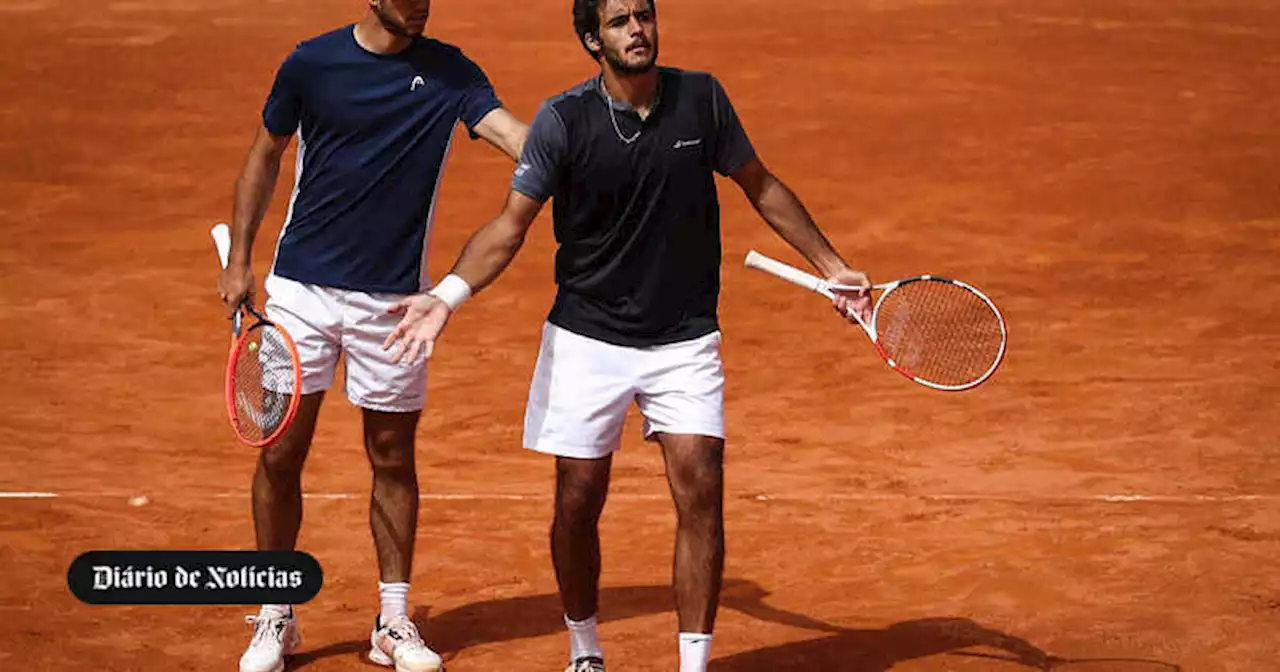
[(1105, 169)]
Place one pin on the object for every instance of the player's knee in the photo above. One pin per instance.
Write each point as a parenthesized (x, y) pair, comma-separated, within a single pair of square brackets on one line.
[(698, 489), (283, 460), (701, 508), (697, 476), (579, 503), (390, 452)]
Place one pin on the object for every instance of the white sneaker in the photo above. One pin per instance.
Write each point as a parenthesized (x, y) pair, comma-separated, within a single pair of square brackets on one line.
[(586, 664), (398, 643), (274, 637)]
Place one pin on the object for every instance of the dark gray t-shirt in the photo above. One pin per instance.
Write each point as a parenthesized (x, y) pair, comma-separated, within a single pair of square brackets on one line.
[(544, 151), (636, 208)]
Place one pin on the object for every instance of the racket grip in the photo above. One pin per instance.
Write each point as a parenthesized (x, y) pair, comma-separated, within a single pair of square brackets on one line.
[(790, 274), (222, 241)]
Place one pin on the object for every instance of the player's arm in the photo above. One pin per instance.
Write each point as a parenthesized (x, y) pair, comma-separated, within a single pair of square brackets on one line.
[(492, 247), (778, 205), (253, 191), (486, 255), (502, 130), (256, 184), (786, 215)]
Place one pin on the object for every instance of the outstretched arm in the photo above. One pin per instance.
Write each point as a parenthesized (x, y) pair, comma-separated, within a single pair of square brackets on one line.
[(492, 247), (784, 212), (488, 253), (502, 130)]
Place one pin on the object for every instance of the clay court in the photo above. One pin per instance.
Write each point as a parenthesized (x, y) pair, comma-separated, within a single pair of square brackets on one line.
[(1105, 169)]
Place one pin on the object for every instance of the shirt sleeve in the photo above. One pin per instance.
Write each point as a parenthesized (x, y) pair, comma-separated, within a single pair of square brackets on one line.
[(537, 174), (282, 111), (733, 147), (478, 97)]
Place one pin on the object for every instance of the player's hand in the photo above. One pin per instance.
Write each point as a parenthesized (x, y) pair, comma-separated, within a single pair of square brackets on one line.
[(424, 319), (235, 285), (854, 295)]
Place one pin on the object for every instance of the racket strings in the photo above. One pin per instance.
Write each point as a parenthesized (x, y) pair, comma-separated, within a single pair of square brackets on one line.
[(939, 332), (263, 383)]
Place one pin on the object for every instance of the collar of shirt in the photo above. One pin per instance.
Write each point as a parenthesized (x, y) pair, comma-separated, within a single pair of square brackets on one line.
[(622, 105)]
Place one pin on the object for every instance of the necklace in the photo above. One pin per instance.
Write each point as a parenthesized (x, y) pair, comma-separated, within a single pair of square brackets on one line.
[(614, 118)]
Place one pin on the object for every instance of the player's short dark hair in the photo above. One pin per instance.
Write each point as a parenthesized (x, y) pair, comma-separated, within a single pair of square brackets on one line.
[(586, 20)]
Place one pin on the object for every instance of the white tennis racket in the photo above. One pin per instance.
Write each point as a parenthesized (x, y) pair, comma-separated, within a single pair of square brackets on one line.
[(941, 333)]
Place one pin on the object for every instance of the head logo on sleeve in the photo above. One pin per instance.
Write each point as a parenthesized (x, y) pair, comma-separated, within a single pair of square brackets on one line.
[(417, 81)]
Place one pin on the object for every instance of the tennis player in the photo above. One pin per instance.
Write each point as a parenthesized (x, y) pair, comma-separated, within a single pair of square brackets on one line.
[(374, 106), (630, 158)]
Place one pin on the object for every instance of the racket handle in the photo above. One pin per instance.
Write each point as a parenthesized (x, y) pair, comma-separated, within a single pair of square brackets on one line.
[(790, 274), (221, 234), (808, 281), (222, 240)]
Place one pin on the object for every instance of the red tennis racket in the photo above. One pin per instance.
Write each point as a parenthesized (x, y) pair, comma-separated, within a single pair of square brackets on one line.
[(941, 333), (264, 372)]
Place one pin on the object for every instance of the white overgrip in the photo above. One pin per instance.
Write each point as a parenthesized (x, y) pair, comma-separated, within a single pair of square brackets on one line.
[(808, 281), (790, 274), (222, 240)]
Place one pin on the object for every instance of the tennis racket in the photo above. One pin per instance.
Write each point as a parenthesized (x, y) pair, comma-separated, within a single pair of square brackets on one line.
[(264, 372), (941, 333)]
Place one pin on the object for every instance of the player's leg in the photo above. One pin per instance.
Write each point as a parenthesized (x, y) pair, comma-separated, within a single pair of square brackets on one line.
[(392, 397), (578, 401), (695, 472), (389, 440), (582, 486), (277, 481), (682, 398)]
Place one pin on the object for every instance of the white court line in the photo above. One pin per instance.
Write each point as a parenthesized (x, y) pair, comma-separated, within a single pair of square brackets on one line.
[(1017, 498), (813, 497)]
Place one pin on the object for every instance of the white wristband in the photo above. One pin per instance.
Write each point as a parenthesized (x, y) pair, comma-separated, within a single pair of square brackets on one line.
[(454, 291)]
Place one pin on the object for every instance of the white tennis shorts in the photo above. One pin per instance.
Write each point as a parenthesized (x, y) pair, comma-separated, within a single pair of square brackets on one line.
[(327, 323), (582, 388)]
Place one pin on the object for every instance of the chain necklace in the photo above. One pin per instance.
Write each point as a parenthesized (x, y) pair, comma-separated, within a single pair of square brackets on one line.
[(613, 117)]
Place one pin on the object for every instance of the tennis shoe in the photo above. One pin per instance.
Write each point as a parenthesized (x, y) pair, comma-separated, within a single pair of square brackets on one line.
[(586, 664), (274, 637), (398, 644)]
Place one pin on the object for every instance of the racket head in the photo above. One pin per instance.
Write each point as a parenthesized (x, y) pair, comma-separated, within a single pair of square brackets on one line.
[(263, 382), (939, 332)]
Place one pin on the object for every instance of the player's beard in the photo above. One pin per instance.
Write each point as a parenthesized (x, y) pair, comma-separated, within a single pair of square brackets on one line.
[(620, 66), (392, 26)]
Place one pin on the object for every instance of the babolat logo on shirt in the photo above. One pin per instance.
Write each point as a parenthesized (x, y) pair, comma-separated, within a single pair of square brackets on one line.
[(195, 577)]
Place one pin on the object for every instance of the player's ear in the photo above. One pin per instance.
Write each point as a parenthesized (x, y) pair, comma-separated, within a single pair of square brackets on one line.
[(592, 41)]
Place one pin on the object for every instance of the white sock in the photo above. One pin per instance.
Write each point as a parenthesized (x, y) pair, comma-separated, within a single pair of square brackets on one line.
[(695, 651), (583, 640), (275, 611), (395, 600)]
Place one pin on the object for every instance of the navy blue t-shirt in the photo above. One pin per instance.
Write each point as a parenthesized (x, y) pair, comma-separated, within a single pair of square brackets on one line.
[(374, 132)]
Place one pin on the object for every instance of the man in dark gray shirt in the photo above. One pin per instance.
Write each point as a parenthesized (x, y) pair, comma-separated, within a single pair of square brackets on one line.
[(629, 158)]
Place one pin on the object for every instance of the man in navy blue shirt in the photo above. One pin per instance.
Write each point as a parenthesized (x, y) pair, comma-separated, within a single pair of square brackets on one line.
[(630, 158), (374, 106)]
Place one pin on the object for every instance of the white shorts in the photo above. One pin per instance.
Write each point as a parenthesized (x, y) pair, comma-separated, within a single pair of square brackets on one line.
[(326, 323), (582, 388)]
